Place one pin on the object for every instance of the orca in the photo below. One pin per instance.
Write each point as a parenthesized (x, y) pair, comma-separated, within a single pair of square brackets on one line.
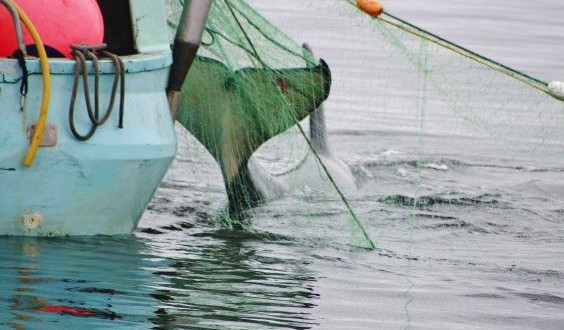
[(232, 113)]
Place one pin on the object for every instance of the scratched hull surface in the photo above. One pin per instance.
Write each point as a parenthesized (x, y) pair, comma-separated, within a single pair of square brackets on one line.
[(484, 251)]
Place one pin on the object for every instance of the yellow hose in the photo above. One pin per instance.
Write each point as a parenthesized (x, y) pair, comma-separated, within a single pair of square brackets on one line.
[(40, 127)]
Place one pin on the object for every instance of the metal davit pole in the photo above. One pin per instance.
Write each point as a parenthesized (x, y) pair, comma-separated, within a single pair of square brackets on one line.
[(186, 44)]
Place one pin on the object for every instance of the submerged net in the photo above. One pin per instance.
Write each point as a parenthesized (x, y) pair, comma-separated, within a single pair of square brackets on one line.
[(433, 133)]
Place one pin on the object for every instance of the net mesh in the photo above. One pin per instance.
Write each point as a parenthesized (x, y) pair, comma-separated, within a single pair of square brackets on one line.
[(428, 129)]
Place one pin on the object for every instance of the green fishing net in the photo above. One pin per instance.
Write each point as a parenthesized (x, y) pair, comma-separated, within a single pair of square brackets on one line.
[(251, 83), (440, 136)]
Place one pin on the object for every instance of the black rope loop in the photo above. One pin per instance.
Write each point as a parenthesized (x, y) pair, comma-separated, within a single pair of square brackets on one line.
[(80, 54), (119, 76), (80, 68), (20, 56)]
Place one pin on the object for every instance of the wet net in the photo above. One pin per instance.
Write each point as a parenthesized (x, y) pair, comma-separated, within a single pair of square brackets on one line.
[(429, 133)]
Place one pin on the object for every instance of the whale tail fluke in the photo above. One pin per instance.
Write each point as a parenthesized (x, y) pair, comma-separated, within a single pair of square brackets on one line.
[(232, 113)]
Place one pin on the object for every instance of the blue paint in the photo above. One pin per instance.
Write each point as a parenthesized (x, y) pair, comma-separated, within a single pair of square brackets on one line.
[(100, 186)]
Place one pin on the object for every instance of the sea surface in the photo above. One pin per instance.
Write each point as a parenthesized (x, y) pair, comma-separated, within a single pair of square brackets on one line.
[(460, 184)]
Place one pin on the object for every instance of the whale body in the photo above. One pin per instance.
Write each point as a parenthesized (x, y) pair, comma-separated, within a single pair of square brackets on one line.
[(308, 173)]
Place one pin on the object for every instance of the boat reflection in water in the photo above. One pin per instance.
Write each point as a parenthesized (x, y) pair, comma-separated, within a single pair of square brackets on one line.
[(153, 281)]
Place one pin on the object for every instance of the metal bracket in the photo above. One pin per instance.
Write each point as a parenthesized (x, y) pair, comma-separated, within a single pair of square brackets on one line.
[(50, 135)]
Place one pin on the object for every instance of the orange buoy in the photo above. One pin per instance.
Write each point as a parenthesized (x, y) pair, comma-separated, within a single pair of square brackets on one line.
[(371, 7), (60, 23)]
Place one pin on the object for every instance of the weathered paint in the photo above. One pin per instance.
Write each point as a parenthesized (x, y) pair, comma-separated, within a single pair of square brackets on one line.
[(100, 186), (149, 25)]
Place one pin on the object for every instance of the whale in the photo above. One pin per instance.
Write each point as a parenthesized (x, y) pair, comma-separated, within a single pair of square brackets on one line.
[(233, 112)]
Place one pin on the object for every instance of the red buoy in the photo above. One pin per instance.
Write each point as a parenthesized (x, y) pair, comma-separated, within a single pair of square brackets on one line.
[(60, 23), (371, 7)]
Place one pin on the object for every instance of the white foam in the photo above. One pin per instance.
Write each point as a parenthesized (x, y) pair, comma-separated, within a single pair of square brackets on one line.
[(433, 166)]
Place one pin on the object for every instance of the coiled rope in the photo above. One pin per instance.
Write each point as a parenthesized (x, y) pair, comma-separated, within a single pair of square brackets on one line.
[(80, 54)]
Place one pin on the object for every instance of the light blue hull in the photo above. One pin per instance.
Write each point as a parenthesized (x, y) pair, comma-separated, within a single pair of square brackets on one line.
[(100, 186)]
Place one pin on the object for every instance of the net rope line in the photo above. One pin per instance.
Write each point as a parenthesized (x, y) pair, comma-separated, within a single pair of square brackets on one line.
[(421, 109), (299, 164), (468, 116), (262, 63), (356, 220), (264, 34), (460, 50), (249, 21)]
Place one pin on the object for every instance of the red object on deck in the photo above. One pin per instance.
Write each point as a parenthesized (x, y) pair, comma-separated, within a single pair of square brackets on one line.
[(67, 310), (60, 23)]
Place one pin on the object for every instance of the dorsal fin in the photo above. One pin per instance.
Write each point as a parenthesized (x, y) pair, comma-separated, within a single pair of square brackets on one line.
[(318, 131)]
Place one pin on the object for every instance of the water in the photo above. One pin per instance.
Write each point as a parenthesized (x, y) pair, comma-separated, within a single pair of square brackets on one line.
[(483, 247)]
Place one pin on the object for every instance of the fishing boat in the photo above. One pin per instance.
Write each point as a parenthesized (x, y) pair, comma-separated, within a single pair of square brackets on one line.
[(89, 93), (69, 165)]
